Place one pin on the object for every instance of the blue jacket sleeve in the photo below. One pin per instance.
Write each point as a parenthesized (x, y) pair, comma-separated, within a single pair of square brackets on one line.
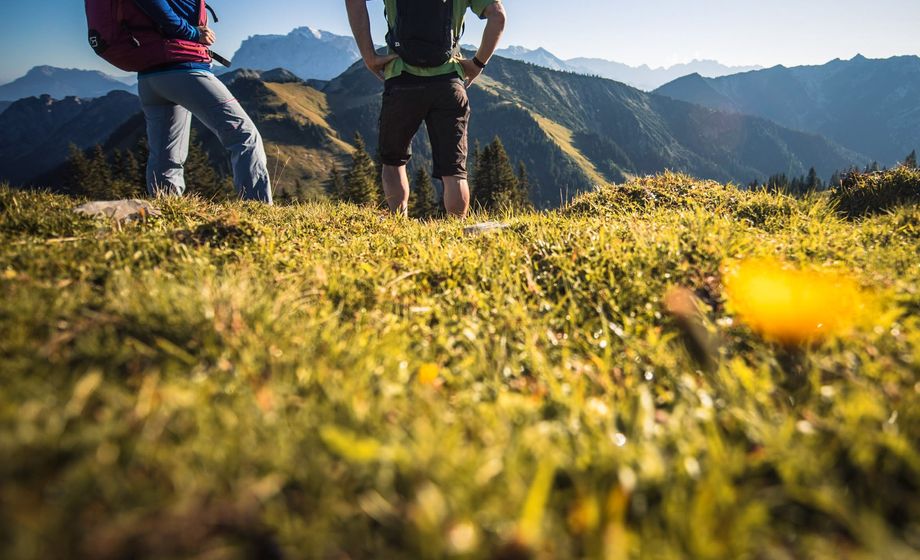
[(170, 23)]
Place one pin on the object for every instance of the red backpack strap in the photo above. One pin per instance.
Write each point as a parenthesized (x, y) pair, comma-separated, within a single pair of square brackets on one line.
[(202, 13)]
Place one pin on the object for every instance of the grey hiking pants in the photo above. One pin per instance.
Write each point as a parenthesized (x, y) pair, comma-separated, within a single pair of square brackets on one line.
[(169, 101)]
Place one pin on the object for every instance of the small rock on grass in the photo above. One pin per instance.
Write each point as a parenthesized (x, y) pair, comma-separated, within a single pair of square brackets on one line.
[(485, 227), (119, 210)]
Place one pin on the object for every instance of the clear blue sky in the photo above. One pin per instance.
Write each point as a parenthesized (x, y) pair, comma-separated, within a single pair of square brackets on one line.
[(654, 32)]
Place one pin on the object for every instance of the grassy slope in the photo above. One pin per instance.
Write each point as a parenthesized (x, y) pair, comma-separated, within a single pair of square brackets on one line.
[(238, 379), (563, 138), (300, 143)]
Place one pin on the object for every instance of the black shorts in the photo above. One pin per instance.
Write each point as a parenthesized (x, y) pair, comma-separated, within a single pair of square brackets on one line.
[(444, 108)]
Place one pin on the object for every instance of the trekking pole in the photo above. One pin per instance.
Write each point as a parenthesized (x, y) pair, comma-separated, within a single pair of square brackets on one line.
[(217, 58)]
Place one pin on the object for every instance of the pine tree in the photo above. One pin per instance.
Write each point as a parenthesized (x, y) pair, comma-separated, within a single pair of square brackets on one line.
[(78, 170), (97, 176), (483, 177), (506, 192), (813, 182), (422, 203), (911, 160), (360, 183), (778, 183), (836, 180), (524, 185), (336, 186), (97, 182), (132, 170), (474, 158), (125, 170)]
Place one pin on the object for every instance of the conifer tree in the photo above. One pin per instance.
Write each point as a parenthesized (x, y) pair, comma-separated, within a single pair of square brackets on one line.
[(483, 178), (524, 185), (95, 175), (131, 171), (97, 181), (422, 203), (78, 170), (495, 184), (124, 170), (506, 192), (122, 174), (474, 160), (336, 187), (813, 182), (301, 191), (360, 183), (777, 183), (911, 160), (135, 168)]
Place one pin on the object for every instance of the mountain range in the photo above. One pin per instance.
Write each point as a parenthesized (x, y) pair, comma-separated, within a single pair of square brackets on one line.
[(611, 131), (313, 54), (647, 78), (36, 132), (640, 77), (320, 55), (308, 53), (61, 82), (869, 106), (539, 57), (572, 131)]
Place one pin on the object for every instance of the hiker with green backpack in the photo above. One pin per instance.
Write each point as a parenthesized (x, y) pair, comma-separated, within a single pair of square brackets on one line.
[(426, 78)]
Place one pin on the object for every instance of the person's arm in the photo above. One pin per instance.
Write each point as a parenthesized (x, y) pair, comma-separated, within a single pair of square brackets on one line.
[(361, 28), (170, 23), (495, 26)]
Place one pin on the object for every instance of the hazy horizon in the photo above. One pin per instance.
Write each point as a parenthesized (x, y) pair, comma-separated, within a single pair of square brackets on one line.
[(662, 34)]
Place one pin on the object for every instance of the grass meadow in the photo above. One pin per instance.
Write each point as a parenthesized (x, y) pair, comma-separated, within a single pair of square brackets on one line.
[(319, 381)]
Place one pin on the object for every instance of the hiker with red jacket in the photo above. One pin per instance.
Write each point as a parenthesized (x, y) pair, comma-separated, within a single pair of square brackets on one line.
[(166, 42), (426, 78)]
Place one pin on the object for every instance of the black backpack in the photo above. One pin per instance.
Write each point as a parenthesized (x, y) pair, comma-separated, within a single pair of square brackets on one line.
[(423, 33)]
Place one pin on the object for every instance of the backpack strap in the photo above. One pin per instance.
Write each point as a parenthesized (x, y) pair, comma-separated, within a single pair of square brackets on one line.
[(457, 38), (458, 33)]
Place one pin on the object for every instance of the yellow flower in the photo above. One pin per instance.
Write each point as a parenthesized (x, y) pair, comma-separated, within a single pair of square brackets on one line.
[(265, 399), (428, 373), (792, 306)]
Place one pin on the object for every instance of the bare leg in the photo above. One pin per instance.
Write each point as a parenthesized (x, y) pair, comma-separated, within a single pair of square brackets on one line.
[(456, 196), (396, 189)]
